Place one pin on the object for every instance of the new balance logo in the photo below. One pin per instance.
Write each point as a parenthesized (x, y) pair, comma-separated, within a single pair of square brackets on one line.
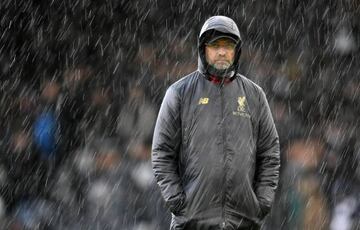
[(203, 101)]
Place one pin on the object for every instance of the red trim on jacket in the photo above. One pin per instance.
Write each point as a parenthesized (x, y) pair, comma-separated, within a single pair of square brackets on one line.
[(217, 80)]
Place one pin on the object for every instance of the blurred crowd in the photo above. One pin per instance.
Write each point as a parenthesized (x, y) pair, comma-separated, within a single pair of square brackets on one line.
[(82, 82), (76, 157)]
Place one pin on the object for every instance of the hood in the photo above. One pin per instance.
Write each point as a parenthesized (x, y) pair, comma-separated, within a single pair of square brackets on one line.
[(218, 25)]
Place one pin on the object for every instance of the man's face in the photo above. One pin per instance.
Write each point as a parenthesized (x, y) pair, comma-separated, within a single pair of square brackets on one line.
[(220, 53)]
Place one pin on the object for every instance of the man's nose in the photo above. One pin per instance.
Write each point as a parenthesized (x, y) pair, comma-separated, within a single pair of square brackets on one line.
[(221, 51)]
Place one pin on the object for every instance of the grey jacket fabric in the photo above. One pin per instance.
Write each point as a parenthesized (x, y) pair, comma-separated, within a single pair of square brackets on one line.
[(215, 153)]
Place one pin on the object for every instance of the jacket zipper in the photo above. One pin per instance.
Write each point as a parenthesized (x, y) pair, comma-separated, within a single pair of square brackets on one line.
[(224, 153)]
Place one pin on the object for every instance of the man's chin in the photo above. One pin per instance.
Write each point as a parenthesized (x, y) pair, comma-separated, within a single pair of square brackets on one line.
[(228, 72), (222, 65)]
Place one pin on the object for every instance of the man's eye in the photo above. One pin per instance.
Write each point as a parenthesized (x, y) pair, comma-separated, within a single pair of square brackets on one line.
[(226, 46), (229, 46), (214, 46)]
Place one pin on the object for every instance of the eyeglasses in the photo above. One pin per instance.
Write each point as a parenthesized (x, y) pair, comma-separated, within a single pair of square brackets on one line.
[(227, 45)]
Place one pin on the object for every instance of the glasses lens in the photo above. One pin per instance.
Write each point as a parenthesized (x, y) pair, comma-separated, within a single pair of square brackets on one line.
[(226, 45)]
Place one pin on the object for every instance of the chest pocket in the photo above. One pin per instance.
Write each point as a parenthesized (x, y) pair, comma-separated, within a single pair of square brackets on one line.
[(200, 119)]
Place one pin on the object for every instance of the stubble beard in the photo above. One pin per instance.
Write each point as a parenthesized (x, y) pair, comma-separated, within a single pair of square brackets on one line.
[(221, 65)]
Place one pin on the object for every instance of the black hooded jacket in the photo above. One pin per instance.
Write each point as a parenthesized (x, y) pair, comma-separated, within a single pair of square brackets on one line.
[(215, 150)]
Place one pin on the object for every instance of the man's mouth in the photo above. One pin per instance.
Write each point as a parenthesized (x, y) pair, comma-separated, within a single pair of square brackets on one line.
[(222, 64)]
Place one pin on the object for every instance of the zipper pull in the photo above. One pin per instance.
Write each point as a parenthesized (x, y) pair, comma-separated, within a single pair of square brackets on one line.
[(222, 82)]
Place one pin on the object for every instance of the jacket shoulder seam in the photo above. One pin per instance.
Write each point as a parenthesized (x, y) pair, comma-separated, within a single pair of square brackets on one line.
[(179, 85)]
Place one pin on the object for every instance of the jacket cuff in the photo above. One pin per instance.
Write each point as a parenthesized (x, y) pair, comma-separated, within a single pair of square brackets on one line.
[(176, 204), (265, 196), (264, 210)]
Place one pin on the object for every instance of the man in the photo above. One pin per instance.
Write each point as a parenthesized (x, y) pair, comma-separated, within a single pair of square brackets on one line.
[(215, 149)]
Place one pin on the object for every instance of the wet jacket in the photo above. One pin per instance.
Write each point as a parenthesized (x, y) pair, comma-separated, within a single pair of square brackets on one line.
[(215, 153)]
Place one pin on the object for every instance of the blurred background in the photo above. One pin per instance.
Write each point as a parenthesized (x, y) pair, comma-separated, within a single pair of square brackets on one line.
[(81, 86)]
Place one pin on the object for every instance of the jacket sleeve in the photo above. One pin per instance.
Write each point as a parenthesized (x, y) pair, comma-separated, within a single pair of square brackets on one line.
[(165, 151), (267, 158)]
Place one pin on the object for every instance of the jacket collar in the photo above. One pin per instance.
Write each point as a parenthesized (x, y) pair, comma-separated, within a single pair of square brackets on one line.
[(217, 80)]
